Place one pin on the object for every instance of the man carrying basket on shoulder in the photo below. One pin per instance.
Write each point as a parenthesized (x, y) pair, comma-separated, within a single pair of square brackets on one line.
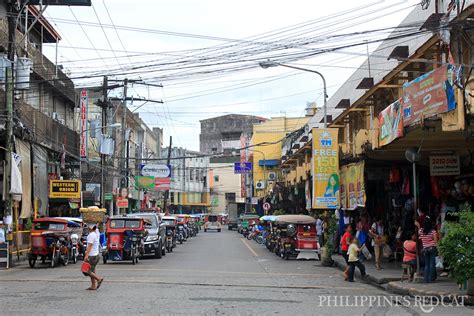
[(92, 256)]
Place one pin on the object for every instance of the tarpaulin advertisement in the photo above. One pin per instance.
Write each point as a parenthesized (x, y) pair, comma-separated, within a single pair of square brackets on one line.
[(354, 183), (343, 186), (325, 168), (390, 123), (429, 95)]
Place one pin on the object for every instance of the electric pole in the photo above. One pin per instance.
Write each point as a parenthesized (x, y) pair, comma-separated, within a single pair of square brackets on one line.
[(105, 105), (124, 163), (168, 161)]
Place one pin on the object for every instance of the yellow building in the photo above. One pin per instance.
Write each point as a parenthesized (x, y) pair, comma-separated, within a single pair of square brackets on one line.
[(266, 158)]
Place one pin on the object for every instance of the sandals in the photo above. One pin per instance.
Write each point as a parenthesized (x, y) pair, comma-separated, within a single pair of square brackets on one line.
[(99, 283), (91, 289)]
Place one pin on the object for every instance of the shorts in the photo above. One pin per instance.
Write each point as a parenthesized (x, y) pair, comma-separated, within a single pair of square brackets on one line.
[(93, 261)]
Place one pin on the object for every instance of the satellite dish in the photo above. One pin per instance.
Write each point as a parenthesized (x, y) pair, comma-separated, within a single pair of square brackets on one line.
[(413, 154)]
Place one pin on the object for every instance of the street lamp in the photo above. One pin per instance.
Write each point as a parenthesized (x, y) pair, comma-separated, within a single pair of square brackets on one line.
[(114, 125), (270, 63)]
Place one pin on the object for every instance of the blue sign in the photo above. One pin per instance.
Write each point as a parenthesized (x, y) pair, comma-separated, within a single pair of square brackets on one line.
[(243, 167)]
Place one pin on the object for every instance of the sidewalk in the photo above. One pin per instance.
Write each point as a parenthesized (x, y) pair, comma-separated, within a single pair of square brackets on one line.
[(389, 279)]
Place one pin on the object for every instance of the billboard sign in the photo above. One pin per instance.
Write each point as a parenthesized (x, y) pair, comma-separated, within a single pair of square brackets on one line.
[(390, 123), (325, 168), (86, 3), (157, 170), (429, 95), (242, 167), (65, 189), (445, 166), (162, 184), (83, 122)]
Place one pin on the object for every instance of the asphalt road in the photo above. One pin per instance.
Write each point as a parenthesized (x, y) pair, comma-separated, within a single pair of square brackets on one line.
[(213, 273)]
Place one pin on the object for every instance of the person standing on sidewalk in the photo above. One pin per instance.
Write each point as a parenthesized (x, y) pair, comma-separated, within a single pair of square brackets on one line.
[(377, 232), (354, 261), (92, 256), (429, 240), (345, 242)]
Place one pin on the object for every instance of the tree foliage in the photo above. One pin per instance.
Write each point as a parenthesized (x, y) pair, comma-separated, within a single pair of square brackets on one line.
[(457, 245)]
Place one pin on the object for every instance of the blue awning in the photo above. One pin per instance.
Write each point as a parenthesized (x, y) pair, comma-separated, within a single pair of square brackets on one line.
[(269, 163)]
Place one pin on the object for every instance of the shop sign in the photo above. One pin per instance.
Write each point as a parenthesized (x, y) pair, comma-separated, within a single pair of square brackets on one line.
[(122, 202), (429, 95), (108, 196), (390, 123), (144, 182), (445, 166), (157, 170), (343, 187), (65, 189), (325, 168), (243, 158), (242, 167), (354, 186), (162, 184), (83, 122)]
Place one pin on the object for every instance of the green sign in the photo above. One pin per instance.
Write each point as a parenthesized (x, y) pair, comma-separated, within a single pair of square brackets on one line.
[(108, 197), (144, 182)]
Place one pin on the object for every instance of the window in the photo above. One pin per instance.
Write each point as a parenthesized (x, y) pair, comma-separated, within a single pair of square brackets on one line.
[(216, 178)]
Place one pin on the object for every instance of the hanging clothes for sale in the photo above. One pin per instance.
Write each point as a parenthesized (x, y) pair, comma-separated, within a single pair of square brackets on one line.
[(406, 185), (23, 149), (394, 176)]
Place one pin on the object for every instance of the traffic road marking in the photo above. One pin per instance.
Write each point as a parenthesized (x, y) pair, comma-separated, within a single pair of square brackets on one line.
[(250, 248)]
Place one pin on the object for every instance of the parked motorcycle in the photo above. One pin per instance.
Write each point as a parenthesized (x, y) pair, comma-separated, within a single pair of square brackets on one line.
[(74, 247), (181, 234)]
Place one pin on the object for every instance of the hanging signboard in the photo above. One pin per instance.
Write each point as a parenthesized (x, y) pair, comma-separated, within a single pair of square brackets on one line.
[(243, 158), (162, 184), (144, 182), (65, 189), (429, 95), (83, 122), (325, 168), (157, 170), (122, 202), (444, 166), (343, 187), (242, 167), (87, 3), (390, 123)]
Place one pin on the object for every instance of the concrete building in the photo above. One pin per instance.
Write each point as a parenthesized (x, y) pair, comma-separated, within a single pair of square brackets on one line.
[(190, 192), (222, 133), (226, 185), (266, 159)]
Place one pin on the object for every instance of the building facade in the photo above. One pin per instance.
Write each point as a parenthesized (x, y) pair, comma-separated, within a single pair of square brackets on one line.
[(226, 185), (222, 134)]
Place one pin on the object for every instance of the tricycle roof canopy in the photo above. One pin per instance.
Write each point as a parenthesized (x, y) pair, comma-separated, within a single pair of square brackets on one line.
[(295, 219)]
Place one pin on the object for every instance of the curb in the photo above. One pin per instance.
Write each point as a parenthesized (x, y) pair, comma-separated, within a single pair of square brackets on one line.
[(397, 288)]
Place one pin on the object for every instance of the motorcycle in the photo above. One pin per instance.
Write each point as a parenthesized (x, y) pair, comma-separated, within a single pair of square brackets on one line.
[(74, 247), (181, 234), (169, 240)]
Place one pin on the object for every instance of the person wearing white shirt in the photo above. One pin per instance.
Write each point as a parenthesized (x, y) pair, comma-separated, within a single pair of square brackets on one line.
[(92, 256)]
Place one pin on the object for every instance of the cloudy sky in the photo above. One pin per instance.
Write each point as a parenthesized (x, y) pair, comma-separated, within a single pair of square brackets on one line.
[(206, 53)]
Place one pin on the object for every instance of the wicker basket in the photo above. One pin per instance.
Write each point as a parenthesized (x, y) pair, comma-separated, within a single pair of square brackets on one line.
[(93, 215)]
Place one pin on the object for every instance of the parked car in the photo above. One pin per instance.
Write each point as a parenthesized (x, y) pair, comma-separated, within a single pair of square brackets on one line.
[(155, 242)]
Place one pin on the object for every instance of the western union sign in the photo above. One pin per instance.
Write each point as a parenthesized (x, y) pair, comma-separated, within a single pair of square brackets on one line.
[(65, 189)]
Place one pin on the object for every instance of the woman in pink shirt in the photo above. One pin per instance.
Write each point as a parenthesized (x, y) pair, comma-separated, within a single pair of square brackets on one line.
[(429, 240)]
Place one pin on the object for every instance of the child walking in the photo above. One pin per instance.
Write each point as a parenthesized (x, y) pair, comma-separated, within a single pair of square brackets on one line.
[(354, 261)]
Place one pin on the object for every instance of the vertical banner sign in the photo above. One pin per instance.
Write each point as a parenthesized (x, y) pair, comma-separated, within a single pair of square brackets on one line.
[(343, 187), (243, 158), (429, 95), (360, 183), (390, 123), (325, 168), (83, 117), (354, 182)]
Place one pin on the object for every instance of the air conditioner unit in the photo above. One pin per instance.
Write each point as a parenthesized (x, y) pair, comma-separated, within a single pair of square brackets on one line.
[(55, 116), (272, 176), (260, 184)]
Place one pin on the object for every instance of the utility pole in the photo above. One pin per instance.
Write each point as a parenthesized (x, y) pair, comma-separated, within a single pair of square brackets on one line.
[(168, 161), (10, 106), (105, 105), (124, 134)]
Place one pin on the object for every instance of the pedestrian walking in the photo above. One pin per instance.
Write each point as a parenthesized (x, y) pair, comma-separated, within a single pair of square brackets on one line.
[(354, 261), (92, 256), (345, 242), (429, 240), (377, 232)]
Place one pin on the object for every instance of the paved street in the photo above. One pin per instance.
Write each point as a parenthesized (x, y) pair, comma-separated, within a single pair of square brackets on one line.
[(214, 273)]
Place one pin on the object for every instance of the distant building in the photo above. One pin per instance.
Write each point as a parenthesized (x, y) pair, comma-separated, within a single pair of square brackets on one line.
[(222, 133)]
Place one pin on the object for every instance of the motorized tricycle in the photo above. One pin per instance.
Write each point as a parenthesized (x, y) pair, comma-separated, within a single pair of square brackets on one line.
[(51, 240), (170, 224), (182, 228), (125, 239), (297, 237)]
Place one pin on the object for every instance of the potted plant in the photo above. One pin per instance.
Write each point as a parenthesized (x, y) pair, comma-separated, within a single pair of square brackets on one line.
[(457, 248)]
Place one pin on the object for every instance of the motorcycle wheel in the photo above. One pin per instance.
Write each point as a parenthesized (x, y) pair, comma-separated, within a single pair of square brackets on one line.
[(54, 259), (249, 237), (134, 255), (163, 251), (65, 258), (181, 241), (74, 256), (32, 261), (259, 240), (104, 259)]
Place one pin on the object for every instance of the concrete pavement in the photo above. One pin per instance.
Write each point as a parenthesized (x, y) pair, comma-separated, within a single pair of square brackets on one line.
[(213, 273)]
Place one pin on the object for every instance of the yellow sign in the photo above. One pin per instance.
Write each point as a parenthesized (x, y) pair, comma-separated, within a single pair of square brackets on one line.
[(354, 186), (325, 168), (65, 189)]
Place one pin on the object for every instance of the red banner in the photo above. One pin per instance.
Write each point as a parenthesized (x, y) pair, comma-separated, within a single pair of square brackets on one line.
[(162, 184)]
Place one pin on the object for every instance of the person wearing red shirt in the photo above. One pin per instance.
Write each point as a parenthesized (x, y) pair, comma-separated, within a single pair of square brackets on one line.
[(345, 242), (409, 253)]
